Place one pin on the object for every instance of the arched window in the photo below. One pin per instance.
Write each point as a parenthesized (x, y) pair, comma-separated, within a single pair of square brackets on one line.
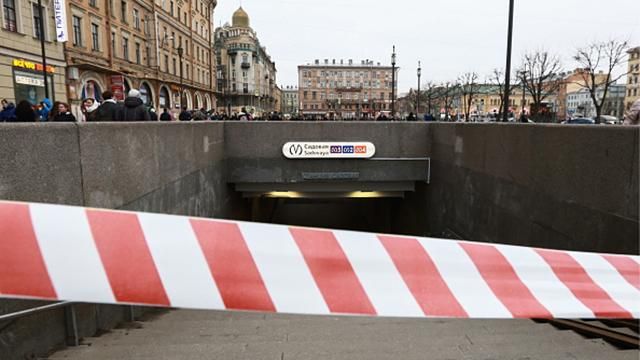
[(165, 100), (92, 90), (145, 94)]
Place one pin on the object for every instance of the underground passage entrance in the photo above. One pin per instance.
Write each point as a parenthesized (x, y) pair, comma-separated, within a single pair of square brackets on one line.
[(379, 208)]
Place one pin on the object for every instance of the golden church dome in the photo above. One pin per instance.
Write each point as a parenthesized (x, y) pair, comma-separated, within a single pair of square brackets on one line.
[(240, 18)]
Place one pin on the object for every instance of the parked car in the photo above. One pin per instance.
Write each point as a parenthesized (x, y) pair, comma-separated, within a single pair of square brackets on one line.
[(579, 121), (609, 120)]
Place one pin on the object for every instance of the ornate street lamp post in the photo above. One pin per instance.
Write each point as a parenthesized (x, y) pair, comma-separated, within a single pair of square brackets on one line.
[(522, 77), (418, 96), (180, 53), (393, 82)]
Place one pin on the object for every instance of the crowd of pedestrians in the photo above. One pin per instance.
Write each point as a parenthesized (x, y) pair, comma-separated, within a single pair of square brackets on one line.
[(134, 109)]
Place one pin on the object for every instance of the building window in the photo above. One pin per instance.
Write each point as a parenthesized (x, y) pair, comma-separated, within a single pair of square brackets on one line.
[(188, 71), (174, 66), (136, 19), (138, 56), (113, 43), (77, 31), (36, 20), (148, 51), (93, 3), (95, 40), (171, 8), (166, 63), (111, 8), (125, 48), (123, 11), (9, 11), (173, 39)]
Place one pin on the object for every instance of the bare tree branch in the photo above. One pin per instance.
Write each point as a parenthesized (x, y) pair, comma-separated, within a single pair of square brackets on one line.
[(539, 74), (598, 61), (468, 88)]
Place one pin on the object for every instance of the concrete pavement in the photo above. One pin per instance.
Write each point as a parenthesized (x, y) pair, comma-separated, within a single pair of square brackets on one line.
[(225, 335)]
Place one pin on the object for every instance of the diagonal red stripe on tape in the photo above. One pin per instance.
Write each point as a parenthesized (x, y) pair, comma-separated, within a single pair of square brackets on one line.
[(627, 267), (332, 272), (422, 277), (22, 268), (571, 273), (504, 282), (232, 266), (126, 258)]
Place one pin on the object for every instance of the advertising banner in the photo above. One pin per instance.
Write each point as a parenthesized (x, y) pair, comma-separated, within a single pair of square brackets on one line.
[(60, 15), (117, 87)]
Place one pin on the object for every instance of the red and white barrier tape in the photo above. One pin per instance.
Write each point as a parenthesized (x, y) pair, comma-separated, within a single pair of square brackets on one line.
[(101, 256)]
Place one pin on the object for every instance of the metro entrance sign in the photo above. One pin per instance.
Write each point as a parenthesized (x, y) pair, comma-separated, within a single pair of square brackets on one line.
[(328, 150)]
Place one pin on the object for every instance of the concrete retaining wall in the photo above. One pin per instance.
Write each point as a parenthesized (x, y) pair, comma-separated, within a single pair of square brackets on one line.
[(563, 187), (254, 150), (161, 167)]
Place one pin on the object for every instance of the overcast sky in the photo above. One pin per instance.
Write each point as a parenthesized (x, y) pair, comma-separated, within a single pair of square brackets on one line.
[(450, 37)]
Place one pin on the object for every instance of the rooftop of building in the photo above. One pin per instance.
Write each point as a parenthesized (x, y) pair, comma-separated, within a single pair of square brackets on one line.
[(345, 63)]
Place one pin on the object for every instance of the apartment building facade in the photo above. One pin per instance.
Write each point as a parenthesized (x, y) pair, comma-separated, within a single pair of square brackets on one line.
[(21, 69), (633, 76), (120, 45), (246, 74), (344, 89)]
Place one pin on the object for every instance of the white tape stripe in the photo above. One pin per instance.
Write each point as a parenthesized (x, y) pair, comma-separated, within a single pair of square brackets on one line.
[(378, 274), (70, 253), (543, 283), (464, 280), (283, 268), (610, 280), (180, 262)]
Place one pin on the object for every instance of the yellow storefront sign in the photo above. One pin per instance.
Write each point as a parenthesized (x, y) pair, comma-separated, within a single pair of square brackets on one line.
[(21, 63)]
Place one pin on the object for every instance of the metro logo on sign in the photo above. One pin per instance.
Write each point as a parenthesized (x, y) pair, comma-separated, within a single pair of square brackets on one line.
[(329, 150), (362, 149)]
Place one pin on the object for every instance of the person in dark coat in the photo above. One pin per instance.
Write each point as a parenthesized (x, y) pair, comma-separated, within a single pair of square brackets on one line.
[(184, 115), (108, 109), (200, 115), (133, 109), (152, 114), (25, 112), (8, 113), (63, 114), (165, 116)]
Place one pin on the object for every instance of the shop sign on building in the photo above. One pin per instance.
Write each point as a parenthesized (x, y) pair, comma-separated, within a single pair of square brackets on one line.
[(28, 65)]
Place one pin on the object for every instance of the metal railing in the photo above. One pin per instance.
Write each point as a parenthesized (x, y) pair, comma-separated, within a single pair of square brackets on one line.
[(71, 321)]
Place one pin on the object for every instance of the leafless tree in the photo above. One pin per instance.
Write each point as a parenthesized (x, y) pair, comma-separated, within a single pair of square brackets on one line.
[(497, 79), (444, 94), (468, 85), (605, 57), (429, 93), (539, 73)]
